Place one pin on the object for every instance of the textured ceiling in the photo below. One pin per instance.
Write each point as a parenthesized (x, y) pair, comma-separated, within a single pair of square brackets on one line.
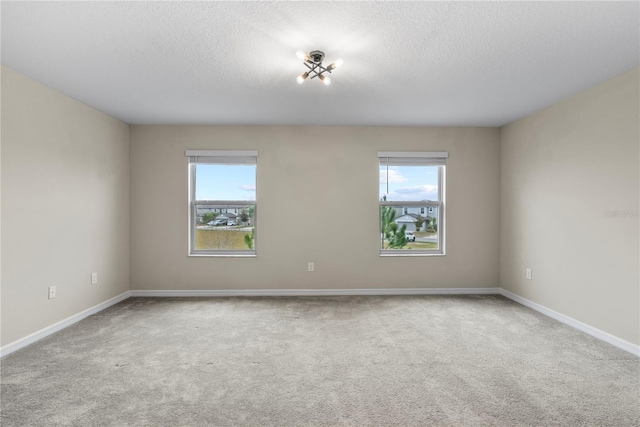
[(405, 63)]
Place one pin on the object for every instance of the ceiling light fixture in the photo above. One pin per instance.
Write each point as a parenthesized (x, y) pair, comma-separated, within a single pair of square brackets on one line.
[(313, 61)]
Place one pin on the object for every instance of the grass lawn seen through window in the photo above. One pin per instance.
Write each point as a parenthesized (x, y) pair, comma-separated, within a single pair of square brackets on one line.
[(225, 239)]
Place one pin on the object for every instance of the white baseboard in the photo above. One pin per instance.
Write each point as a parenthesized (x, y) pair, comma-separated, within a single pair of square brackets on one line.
[(30, 339), (315, 292), (590, 330)]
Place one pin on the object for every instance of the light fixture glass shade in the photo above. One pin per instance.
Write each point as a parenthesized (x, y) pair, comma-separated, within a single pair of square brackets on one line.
[(302, 77), (326, 80)]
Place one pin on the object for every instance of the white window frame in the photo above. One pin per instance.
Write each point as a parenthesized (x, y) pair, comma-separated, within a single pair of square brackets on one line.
[(236, 157), (421, 158)]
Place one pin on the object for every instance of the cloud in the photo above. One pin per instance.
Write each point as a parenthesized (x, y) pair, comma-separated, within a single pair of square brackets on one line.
[(395, 177), (426, 188), (247, 187), (416, 193)]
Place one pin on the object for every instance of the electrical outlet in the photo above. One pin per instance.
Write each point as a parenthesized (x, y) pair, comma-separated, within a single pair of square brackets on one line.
[(94, 278), (311, 267), (528, 273), (52, 292)]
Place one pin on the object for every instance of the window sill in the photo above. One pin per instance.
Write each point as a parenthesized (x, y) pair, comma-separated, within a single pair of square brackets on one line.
[(393, 255), (221, 255)]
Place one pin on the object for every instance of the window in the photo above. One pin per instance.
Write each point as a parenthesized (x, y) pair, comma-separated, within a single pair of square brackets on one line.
[(222, 202), (412, 183)]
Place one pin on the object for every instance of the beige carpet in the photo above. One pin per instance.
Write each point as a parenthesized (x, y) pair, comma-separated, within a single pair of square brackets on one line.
[(325, 361)]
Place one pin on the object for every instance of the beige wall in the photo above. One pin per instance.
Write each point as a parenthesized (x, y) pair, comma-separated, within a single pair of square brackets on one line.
[(561, 170), (65, 206), (317, 201)]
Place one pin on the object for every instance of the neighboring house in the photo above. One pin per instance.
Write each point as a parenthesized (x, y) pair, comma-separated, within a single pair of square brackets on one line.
[(230, 210), (423, 211), (410, 221), (227, 214), (202, 209), (407, 215)]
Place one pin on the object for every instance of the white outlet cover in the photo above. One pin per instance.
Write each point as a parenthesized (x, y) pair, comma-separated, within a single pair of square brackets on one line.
[(94, 278)]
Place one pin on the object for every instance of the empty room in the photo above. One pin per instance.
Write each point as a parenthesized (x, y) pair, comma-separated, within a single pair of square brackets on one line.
[(320, 213)]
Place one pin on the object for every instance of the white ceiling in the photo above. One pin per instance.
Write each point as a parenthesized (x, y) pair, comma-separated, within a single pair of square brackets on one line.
[(405, 63)]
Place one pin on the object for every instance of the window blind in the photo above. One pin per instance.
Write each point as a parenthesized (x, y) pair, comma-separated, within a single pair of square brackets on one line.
[(222, 157), (406, 158)]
